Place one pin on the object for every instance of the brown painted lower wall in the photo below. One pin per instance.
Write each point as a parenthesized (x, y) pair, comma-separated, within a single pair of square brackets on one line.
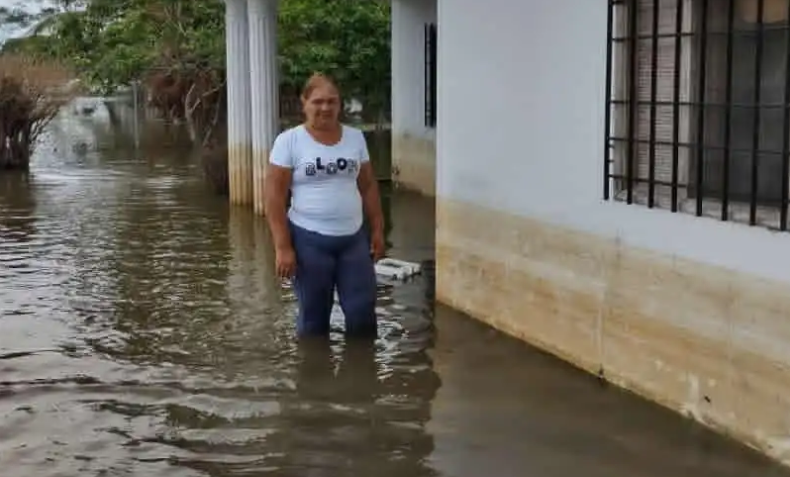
[(414, 163), (708, 342)]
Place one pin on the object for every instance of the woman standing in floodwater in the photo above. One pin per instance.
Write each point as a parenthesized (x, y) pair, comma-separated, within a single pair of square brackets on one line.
[(320, 240)]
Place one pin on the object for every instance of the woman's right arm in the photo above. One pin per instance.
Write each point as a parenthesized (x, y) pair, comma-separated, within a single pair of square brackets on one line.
[(277, 183)]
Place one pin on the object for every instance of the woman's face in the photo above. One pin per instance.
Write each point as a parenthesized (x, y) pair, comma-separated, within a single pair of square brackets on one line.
[(322, 107)]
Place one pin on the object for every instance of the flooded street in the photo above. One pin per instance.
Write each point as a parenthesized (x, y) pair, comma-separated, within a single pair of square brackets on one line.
[(142, 333)]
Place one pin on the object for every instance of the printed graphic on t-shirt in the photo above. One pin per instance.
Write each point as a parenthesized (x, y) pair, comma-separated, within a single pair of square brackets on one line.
[(331, 167)]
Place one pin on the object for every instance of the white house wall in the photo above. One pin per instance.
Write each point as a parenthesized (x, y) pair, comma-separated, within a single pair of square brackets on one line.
[(413, 144), (691, 312)]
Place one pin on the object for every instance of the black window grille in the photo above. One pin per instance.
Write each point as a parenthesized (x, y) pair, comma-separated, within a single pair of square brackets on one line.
[(698, 107), (430, 75)]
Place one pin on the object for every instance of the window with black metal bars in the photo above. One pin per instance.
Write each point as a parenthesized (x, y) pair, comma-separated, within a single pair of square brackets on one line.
[(430, 75), (698, 107)]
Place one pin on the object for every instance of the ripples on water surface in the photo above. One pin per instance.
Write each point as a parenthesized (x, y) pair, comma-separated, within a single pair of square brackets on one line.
[(142, 334)]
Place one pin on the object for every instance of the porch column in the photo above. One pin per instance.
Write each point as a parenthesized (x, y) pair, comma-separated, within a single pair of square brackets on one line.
[(264, 89), (239, 132)]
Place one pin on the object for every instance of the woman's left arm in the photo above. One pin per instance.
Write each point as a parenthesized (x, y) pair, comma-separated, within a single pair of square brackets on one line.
[(371, 203)]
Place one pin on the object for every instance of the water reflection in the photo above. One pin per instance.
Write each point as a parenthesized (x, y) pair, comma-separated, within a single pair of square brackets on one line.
[(17, 208), (344, 417), (357, 416), (258, 317)]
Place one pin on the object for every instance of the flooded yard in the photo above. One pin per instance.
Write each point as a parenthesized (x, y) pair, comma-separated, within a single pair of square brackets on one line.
[(142, 333)]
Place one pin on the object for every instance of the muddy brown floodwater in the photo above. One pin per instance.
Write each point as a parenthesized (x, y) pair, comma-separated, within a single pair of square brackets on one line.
[(142, 334)]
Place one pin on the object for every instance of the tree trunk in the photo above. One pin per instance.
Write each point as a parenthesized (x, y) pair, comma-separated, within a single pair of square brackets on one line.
[(189, 114), (15, 151)]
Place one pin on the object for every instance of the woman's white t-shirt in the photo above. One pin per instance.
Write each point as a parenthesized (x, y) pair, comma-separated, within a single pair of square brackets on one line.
[(324, 193)]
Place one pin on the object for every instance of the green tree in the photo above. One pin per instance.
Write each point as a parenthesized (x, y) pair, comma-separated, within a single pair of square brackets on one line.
[(113, 42), (346, 38)]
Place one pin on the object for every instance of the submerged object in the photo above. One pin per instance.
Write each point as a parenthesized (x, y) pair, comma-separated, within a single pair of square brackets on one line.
[(395, 269)]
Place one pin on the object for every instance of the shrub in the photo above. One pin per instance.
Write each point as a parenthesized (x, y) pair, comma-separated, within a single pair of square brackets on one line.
[(31, 94)]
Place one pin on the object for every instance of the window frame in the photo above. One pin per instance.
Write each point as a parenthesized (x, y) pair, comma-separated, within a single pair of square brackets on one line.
[(431, 70), (690, 112)]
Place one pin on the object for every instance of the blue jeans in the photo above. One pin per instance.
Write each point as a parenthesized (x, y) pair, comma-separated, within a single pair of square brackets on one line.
[(324, 263)]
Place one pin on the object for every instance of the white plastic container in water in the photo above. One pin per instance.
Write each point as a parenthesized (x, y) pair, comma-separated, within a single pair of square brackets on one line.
[(395, 269), (392, 269)]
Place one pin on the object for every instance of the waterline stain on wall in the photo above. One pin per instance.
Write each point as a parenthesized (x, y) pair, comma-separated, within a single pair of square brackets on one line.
[(705, 341)]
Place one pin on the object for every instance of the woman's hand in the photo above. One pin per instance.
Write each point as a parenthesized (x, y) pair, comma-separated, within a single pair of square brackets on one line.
[(285, 259), (377, 246)]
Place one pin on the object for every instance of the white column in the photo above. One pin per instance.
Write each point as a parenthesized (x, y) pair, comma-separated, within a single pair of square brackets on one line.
[(264, 89), (238, 71)]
